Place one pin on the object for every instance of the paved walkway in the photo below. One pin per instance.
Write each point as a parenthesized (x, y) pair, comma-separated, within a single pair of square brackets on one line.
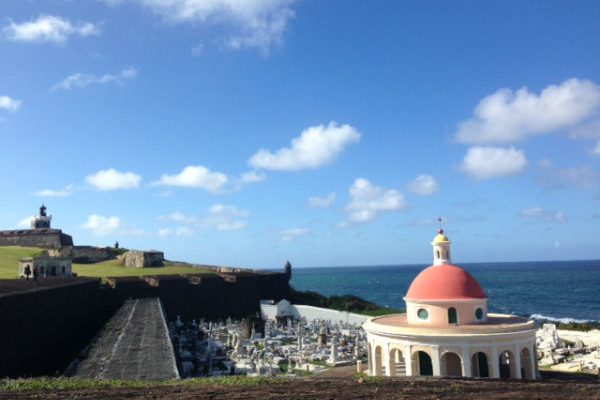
[(134, 344)]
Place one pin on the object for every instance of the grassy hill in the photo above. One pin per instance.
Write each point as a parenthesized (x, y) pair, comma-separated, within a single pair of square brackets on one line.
[(10, 255), (114, 268), (9, 259)]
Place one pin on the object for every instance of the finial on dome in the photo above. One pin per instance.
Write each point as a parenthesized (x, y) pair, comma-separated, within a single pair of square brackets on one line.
[(440, 231)]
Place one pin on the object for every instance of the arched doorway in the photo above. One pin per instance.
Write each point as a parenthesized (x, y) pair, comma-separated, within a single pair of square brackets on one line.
[(423, 363), (526, 372), (451, 364), (378, 362), (479, 366), (506, 365), (452, 316), (397, 363)]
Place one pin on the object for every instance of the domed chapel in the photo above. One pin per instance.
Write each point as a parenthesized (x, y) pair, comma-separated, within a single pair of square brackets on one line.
[(447, 330)]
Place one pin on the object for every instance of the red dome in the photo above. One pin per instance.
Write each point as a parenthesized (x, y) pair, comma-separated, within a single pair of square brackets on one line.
[(444, 282)]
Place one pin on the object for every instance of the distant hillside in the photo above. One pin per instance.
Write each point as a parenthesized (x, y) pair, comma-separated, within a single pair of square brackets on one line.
[(9, 259)]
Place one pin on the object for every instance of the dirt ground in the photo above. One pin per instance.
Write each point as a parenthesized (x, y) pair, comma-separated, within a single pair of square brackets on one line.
[(346, 388)]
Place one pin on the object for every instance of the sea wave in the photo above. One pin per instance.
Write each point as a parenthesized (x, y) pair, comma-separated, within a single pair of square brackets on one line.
[(561, 320)]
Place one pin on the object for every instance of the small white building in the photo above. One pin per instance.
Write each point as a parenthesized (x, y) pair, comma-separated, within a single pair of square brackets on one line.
[(447, 330), (46, 266)]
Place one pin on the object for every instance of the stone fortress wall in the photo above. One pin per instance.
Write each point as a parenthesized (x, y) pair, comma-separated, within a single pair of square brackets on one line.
[(44, 328), (84, 254), (45, 238)]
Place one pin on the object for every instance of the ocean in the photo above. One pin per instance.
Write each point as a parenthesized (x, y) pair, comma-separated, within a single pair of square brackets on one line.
[(565, 291)]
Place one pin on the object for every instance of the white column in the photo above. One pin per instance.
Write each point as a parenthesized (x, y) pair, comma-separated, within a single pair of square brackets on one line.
[(533, 360), (495, 372), (517, 353), (466, 364), (408, 360), (372, 359), (386, 359), (435, 361)]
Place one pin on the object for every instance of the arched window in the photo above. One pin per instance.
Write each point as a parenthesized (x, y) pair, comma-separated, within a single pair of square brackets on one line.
[(437, 254), (479, 313), (452, 317)]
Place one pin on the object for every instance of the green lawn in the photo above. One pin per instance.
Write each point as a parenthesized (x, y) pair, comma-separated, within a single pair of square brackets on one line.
[(114, 268), (9, 259), (10, 255)]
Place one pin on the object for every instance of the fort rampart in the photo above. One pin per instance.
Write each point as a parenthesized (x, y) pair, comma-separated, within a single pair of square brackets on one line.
[(44, 328), (46, 238)]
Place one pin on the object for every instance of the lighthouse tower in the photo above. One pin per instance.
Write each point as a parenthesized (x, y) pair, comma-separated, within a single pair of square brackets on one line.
[(41, 221)]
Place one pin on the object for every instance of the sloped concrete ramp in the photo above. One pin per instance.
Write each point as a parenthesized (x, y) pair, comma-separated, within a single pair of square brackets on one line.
[(134, 344)]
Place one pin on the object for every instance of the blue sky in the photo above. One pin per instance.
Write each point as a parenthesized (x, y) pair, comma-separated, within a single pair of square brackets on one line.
[(324, 132)]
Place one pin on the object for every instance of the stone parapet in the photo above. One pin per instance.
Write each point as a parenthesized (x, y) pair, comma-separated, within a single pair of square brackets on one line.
[(45, 238)]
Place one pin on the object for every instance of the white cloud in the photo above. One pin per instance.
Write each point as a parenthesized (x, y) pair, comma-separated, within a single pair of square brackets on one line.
[(258, 24), (322, 202), (25, 223), (368, 200), (79, 80), (540, 214), (582, 177), (64, 192), (48, 28), (508, 116), (9, 104), (102, 226), (179, 217), (423, 185), (226, 218), (252, 177), (111, 179), (197, 50), (493, 162), (291, 234), (177, 232), (196, 176), (596, 150), (316, 146), (105, 226)]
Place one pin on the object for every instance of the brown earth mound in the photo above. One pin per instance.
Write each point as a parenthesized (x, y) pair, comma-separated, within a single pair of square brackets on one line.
[(344, 388)]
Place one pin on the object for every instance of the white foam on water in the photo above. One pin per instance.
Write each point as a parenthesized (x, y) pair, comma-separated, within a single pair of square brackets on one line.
[(561, 320)]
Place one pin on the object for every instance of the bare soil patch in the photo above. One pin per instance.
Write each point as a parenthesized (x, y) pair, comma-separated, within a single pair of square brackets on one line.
[(343, 388)]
